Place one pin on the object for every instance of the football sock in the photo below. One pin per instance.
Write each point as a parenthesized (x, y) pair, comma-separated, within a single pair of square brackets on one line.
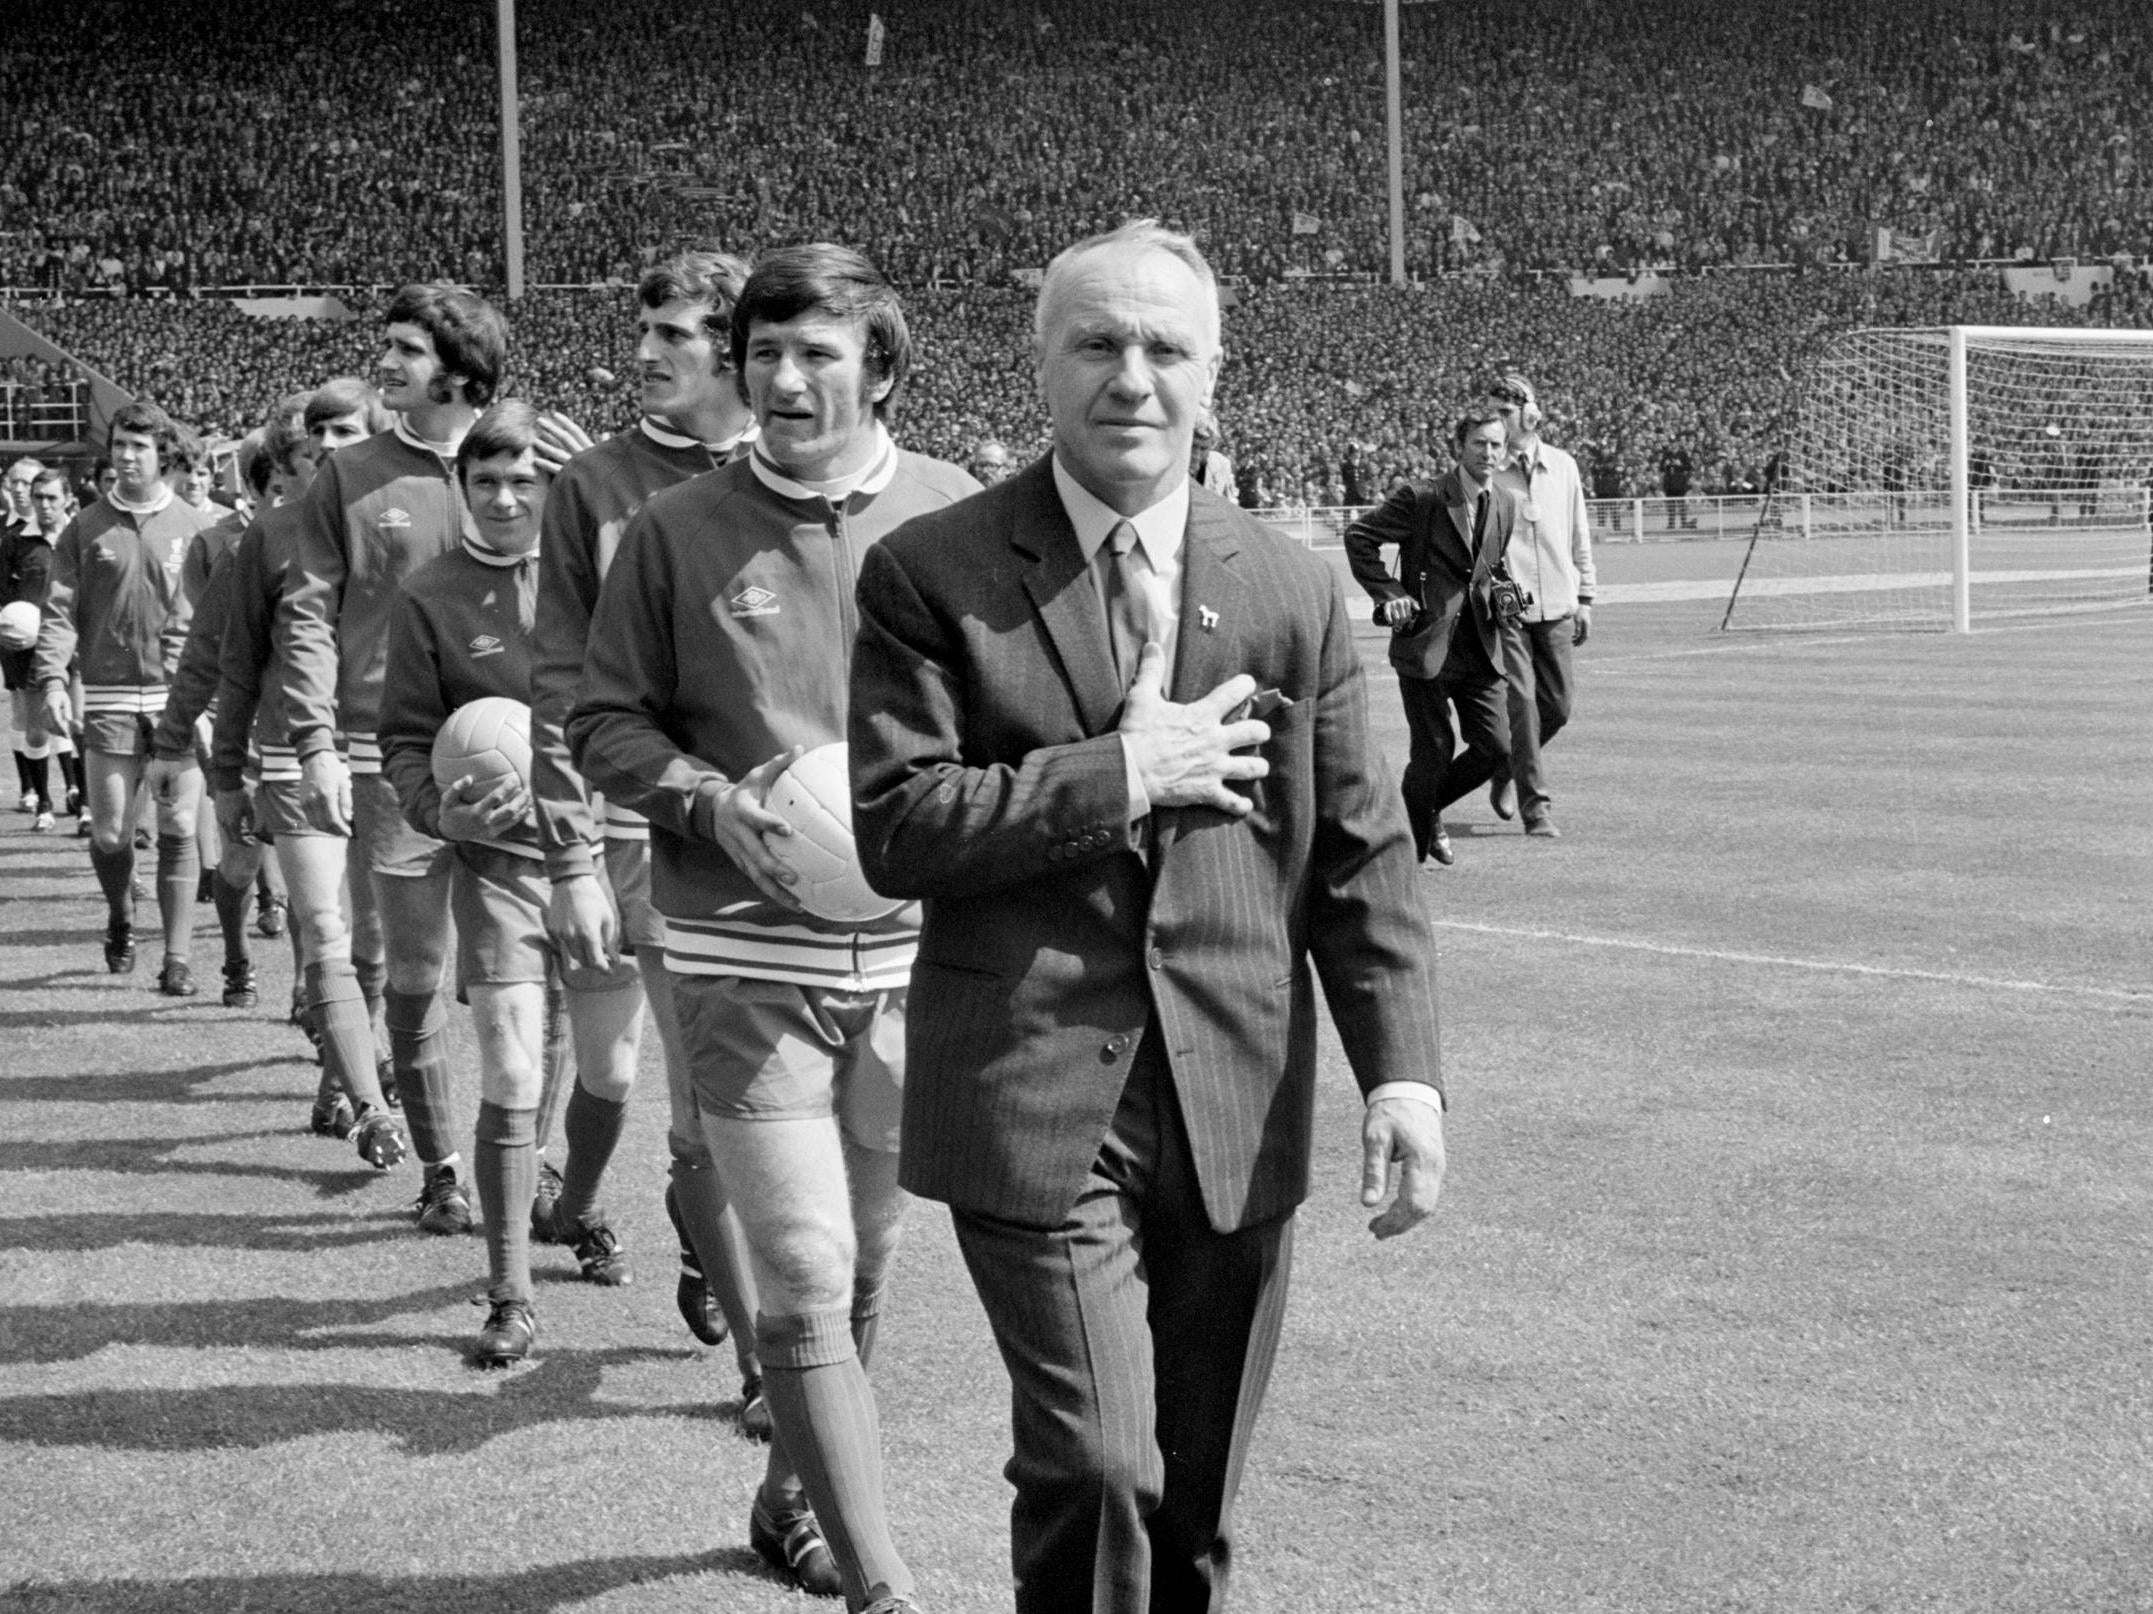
[(821, 1400), (71, 770), (115, 872), (179, 882), (231, 902), (505, 1168), (418, 1048), (347, 1037), (38, 779), (593, 1126), (22, 773), (721, 1251)]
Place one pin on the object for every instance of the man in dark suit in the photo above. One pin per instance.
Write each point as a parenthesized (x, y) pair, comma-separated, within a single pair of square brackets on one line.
[(1450, 536), (1128, 876)]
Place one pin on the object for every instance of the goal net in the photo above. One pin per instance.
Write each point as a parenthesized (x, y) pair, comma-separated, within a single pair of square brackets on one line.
[(1939, 477)]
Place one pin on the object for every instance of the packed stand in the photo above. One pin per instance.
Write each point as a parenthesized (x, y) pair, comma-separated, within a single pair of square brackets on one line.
[(1604, 137)]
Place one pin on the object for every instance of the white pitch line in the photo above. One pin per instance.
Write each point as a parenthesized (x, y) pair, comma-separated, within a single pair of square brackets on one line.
[(1822, 966)]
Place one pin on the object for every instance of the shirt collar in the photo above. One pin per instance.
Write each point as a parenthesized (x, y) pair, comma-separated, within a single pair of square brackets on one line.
[(1524, 459), (160, 500), (444, 452), (493, 557), (1472, 489), (665, 438), (1158, 529), (878, 475)]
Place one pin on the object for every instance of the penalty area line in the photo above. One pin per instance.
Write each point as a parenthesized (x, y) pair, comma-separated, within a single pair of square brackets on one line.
[(1821, 966)]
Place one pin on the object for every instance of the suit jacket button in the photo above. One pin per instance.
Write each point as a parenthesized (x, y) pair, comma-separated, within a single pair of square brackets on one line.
[(1054, 854), (1116, 1046), (1156, 959)]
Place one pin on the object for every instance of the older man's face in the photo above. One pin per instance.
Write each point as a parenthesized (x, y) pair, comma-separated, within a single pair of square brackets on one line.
[(19, 478), (1126, 364), (990, 463)]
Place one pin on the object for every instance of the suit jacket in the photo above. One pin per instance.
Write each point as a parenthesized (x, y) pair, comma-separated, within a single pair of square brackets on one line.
[(988, 779), (1439, 569)]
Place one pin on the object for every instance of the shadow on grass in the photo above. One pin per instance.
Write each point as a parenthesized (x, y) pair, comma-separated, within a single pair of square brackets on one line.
[(182, 1230), (68, 1333), (558, 1388), (152, 1086), (529, 1591), (152, 1157), (86, 936)]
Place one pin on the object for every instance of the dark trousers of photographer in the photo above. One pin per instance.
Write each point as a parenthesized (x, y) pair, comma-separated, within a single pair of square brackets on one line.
[(1537, 668), (1437, 772)]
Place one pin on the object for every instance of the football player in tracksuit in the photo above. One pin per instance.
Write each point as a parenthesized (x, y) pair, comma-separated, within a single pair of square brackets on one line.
[(115, 599), (461, 632), (206, 577), (718, 652), (25, 574), (254, 771), (377, 512), (694, 420)]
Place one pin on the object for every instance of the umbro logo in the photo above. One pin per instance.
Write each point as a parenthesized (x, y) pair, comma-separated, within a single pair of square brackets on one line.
[(393, 517), (754, 602), (486, 645)]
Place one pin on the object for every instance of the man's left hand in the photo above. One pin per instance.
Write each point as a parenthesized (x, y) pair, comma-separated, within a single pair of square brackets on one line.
[(1581, 627), (1401, 1150)]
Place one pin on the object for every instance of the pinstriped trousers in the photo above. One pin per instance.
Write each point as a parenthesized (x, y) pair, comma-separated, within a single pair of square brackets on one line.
[(1139, 1344)]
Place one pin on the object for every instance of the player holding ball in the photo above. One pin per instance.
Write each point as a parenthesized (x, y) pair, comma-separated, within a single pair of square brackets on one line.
[(719, 651), (459, 653)]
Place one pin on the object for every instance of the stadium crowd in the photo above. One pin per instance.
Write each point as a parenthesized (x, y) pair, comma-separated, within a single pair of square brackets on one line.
[(1328, 395), (1609, 134), (1648, 135)]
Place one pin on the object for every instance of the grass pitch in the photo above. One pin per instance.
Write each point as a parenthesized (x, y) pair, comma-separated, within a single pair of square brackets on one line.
[(1794, 1255)]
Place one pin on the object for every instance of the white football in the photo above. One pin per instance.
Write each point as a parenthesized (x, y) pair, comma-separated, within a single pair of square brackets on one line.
[(487, 739), (814, 796), (19, 621)]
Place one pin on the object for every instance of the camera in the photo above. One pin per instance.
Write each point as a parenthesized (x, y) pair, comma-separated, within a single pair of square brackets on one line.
[(1507, 599)]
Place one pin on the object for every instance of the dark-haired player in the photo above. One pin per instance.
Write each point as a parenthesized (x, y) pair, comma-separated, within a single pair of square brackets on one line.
[(718, 651), (251, 716), (377, 512), (25, 574), (461, 633), (116, 601), (206, 575), (694, 419)]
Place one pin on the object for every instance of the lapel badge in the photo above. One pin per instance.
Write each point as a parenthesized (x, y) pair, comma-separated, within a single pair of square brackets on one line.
[(1208, 617)]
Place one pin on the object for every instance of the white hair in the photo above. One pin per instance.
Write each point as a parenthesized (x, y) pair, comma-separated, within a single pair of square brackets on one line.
[(1147, 235)]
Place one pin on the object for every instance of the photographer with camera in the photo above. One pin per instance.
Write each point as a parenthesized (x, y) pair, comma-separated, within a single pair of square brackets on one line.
[(1551, 555), (1452, 590)]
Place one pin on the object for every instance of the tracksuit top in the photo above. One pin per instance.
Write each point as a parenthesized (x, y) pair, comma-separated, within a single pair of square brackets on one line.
[(461, 631), (115, 603), (250, 699), (206, 579), (723, 635), (377, 512), (25, 574), (588, 508)]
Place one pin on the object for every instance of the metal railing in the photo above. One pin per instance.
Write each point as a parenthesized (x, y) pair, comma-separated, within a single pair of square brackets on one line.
[(53, 412), (1720, 516)]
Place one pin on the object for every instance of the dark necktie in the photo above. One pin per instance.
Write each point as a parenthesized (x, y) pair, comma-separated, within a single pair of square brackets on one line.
[(1480, 519), (1128, 620)]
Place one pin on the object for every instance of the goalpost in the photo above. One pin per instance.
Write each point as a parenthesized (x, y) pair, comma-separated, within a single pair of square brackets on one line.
[(1938, 476)]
